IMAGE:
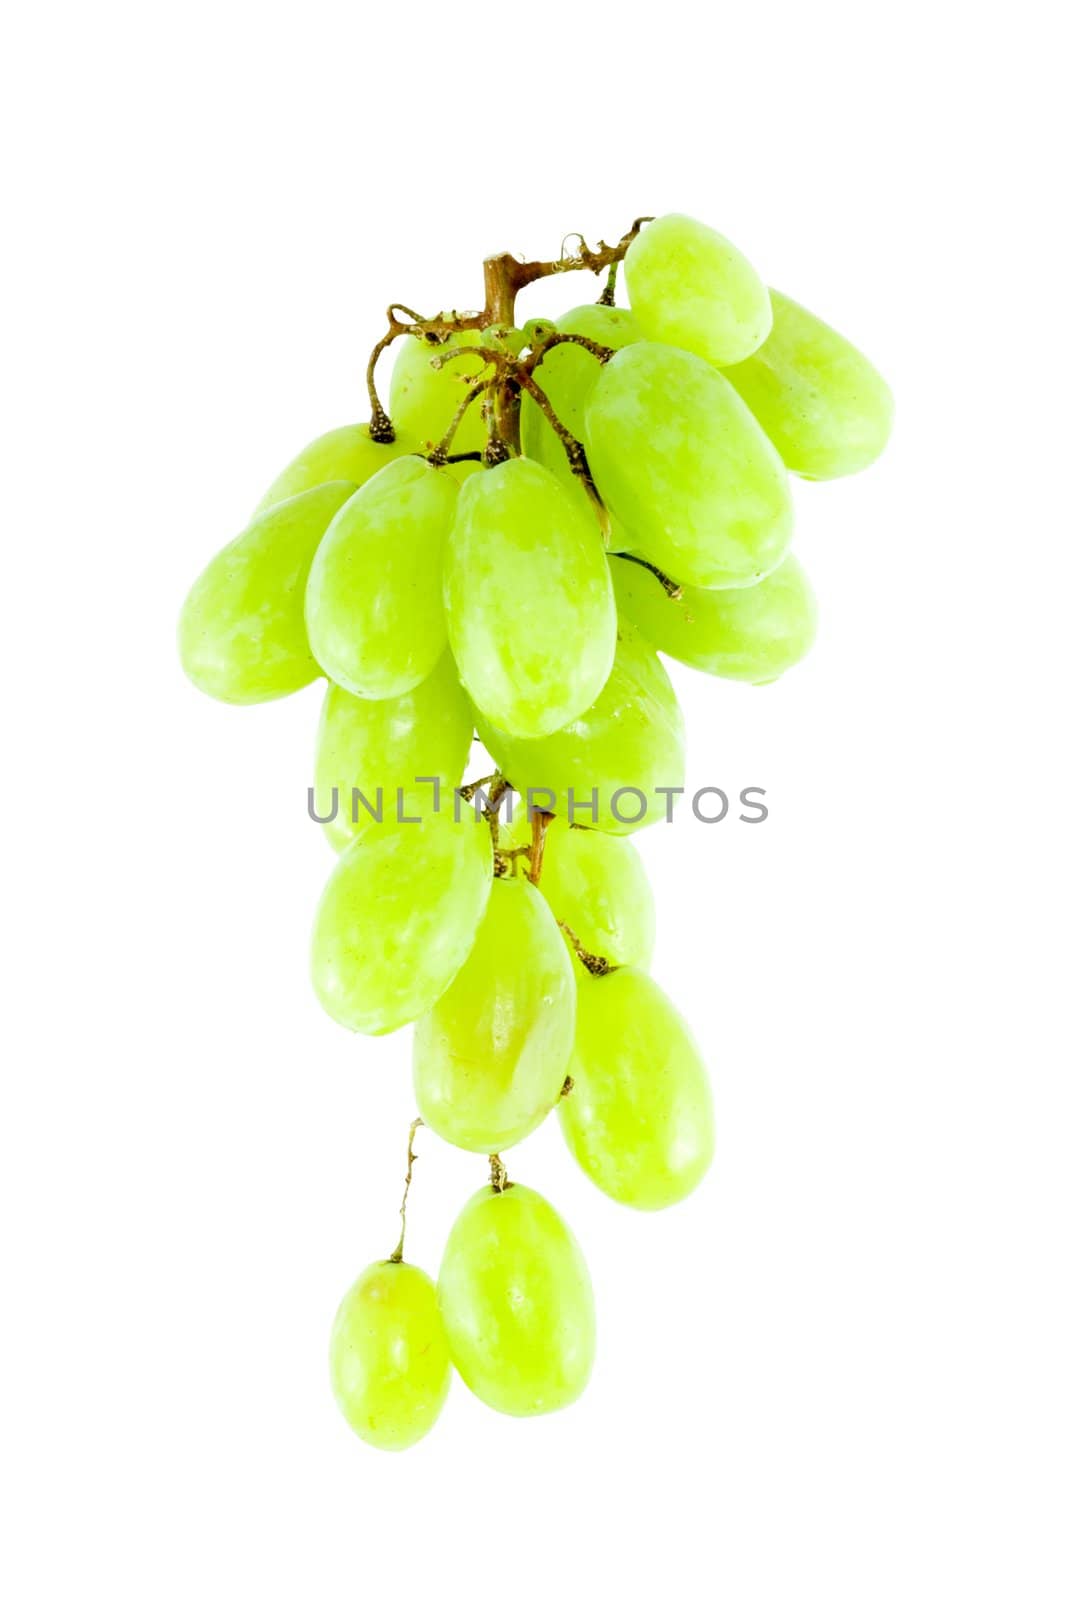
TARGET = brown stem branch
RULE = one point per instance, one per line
(398, 1253)
(539, 821)
(498, 1174)
(672, 588)
(599, 966)
(439, 454)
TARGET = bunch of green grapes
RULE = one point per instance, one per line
(549, 510)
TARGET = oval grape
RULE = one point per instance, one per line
(398, 916)
(375, 615)
(531, 612)
(690, 287)
(681, 461)
(241, 634)
(566, 374)
(381, 746)
(639, 1118)
(753, 634)
(389, 1363)
(605, 768)
(491, 1057)
(348, 454)
(424, 399)
(825, 408)
(597, 884)
(517, 1303)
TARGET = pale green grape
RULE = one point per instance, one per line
(639, 1117)
(821, 403)
(752, 634)
(690, 287)
(389, 1363)
(375, 616)
(631, 738)
(423, 399)
(531, 614)
(684, 465)
(399, 913)
(348, 454)
(566, 375)
(241, 634)
(517, 1303)
(491, 1057)
(373, 745)
(598, 886)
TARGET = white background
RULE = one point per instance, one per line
(839, 1369)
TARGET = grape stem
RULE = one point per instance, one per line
(599, 966)
(607, 294)
(498, 1174)
(539, 821)
(504, 277)
(439, 455)
(398, 1253)
(672, 588)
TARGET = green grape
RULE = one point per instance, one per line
(690, 287)
(513, 827)
(684, 465)
(517, 1303)
(639, 1118)
(535, 328)
(752, 634)
(348, 454)
(385, 745)
(491, 1057)
(375, 616)
(423, 399)
(631, 738)
(389, 1363)
(241, 634)
(531, 615)
(598, 886)
(566, 375)
(514, 339)
(821, 403)
(399, 914)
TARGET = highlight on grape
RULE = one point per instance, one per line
(505, 554)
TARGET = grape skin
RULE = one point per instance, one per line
(596, 883)
(681, 461)
(375, 614)
(822, 404)
(491, 1057)
(524, 570)
(423, 398)
(639, 1118)
(517, 1303)
(348, 454)
(631, 737)
(399, 914)
(241, 634)
(690, 287)
(387, 744)
(752, 635)
(566, 374)
(389, 1364)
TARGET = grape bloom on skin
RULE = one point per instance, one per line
(499, 562)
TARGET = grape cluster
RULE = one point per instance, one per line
(541, 514)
